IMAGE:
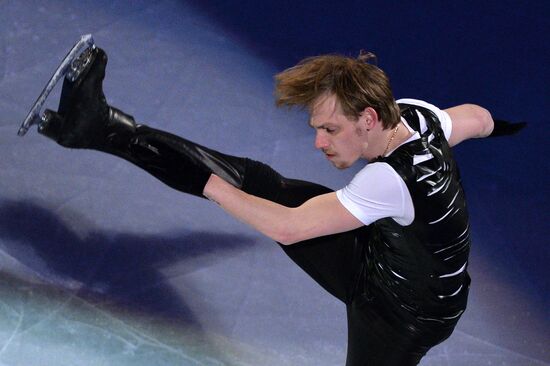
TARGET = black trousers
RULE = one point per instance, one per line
(380, 332)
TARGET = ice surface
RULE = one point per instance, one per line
(100, 264)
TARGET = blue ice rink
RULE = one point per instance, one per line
(101, 264)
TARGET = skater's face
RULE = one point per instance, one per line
(342, 139)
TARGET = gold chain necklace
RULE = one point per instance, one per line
(391, 139)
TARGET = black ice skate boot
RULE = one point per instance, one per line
(85, 120)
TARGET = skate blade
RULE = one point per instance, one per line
(76, 61)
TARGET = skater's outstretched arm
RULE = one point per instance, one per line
(469, 121)
(321, 215)
(472, 121)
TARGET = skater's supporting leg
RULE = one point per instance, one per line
(336, 262)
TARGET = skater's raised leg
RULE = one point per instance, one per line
(85, 120)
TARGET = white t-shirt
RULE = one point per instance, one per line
(377, 191)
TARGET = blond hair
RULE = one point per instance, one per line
(356, 84)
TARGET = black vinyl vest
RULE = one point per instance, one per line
(423, 265)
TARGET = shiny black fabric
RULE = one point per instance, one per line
(380, 331)
(506, 128)
(334, 261)
(389, 276)
(424, 265)
(405, 287)
(387, 323)
(180, 163)
(416, 285)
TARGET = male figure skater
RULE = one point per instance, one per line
(392, 245)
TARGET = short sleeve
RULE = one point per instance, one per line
(376, 192)
(444, 118)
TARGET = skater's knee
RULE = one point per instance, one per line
(261, 180)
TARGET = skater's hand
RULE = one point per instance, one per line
(505, 128)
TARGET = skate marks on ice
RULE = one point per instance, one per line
(105, 295)
(464, 349)
(45, 326)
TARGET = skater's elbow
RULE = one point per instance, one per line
(285, 236)
(484, 121)
(488, 123)
(289, 232)
(295, 231)
(469, 121)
